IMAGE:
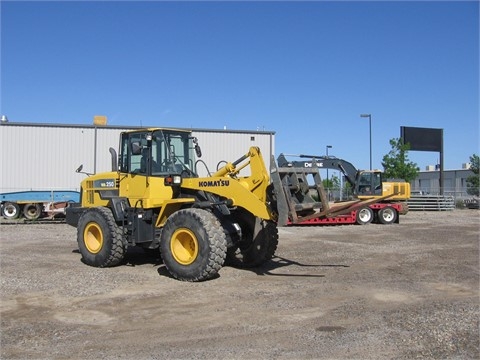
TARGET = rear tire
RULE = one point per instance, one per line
(387, 215)
(193, 245)
(10, 210)
(32, 211)
(100, 239)
(257, 249)
(364, 216)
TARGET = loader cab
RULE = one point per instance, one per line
(369, 183)
(157, 152)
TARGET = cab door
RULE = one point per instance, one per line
(133, 167)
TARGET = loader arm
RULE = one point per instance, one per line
(248, 192)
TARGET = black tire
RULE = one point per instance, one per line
(100, 239)
(255, 250)
(10, 210)
(364, 216)
(193, 245)
(32, 211)
(387, 215)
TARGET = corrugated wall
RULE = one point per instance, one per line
(45, 156)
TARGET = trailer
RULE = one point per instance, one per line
(382, 214)
(34, 204)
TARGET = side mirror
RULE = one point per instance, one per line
(79, 170)
(198, 151)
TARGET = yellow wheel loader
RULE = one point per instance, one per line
(154, 199)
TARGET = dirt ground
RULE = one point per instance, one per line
(402, 291)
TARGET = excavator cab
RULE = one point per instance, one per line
(369, 183)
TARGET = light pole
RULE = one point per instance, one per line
(370, 127)
(328, 185)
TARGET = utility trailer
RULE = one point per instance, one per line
(34, 204)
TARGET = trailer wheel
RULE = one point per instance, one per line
(364, 216)
(10, 210)
(255, 250)
(193, 245)
(100, 239)
(387, 215)
(32, 211)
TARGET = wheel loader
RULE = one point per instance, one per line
(154, 199)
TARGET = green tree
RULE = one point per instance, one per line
(333, 183)
(473, 182)
(396, 164)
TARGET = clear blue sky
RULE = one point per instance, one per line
(305, 70)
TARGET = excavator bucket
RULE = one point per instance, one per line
(299, 195)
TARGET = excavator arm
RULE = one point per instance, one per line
(322, 162)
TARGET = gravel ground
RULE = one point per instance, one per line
(403, 291)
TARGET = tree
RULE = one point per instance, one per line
(396, 164)
(473, 182)
(333, 183)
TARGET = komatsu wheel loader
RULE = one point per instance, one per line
(154, 199)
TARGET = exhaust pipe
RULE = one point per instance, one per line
(113, 153)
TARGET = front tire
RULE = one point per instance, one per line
(258, 246)
(193, 245)
(100, 239)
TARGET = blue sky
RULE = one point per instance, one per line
(305, 70)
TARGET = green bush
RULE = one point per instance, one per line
(460, 204)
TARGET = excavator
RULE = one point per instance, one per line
(153, 199)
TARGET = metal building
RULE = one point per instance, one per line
(45, 156)
(455, 182)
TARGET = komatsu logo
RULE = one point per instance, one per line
(212, 183)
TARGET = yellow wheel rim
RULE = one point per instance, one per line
(93, 238)
(184, 246)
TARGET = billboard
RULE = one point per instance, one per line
(422, 139)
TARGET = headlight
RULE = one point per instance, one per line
(173, 180)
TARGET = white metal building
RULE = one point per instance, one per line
(45, 156)
(455, 182)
